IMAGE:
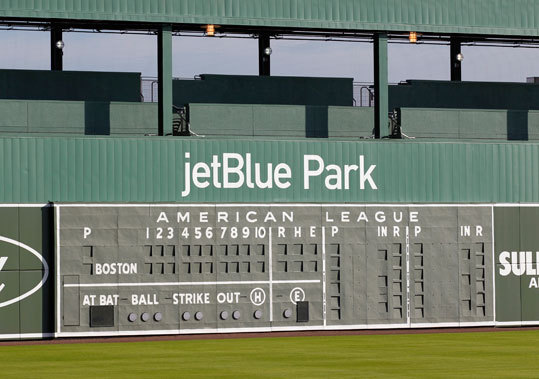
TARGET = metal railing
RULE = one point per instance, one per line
(363, 94)
(149, 92)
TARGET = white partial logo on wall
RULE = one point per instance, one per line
(521, 263)
(3, 260)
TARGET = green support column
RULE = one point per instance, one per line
(164, 68)
(381, 91)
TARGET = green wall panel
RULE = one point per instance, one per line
(37, 311)
(233, 120)
(271, 120)
(517, 291)
(275, 90)
(9, 225)
(75, 169)
(507, 233)
(56, 117)
(470, 124)
(9, 315)
(14, 115)
(529, 228)
(350, 122)
(77, 117)
(133, 118)
(35, 225)
(529, 242)
(508, 298)
(221, 119)
(509, 17)
(465, 95)
(69, 85)
(530, 300)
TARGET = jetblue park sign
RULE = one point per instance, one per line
(236, 171)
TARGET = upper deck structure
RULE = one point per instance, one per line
(379, 21)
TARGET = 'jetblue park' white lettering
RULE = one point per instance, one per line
(307, 159)
(365, 176)
(314, 166)
(229, 170)
(234, 171)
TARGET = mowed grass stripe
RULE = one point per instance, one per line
(503, 354)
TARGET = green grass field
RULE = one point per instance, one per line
(504, 354)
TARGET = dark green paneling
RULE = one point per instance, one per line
(35, 226)
(517, 297)
(508, 298)
(77, 117)
(506, 232)
(470, 124)
(9, 227)
(152, 170)
(235, 89)
(530, 300)
(9, 315)
(529, 230)
(466, 95)
(30, 226)
(511, 17)
(36, 311)
(529, 241)
(280, 121)
(69, 85)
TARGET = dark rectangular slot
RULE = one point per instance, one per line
(302, 311)
(101, 316)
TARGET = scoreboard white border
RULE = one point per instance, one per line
(59, 333)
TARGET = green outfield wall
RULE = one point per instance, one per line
(517, 266)
(105, 269)
(134, 236)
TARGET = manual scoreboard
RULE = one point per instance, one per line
(135, 269)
